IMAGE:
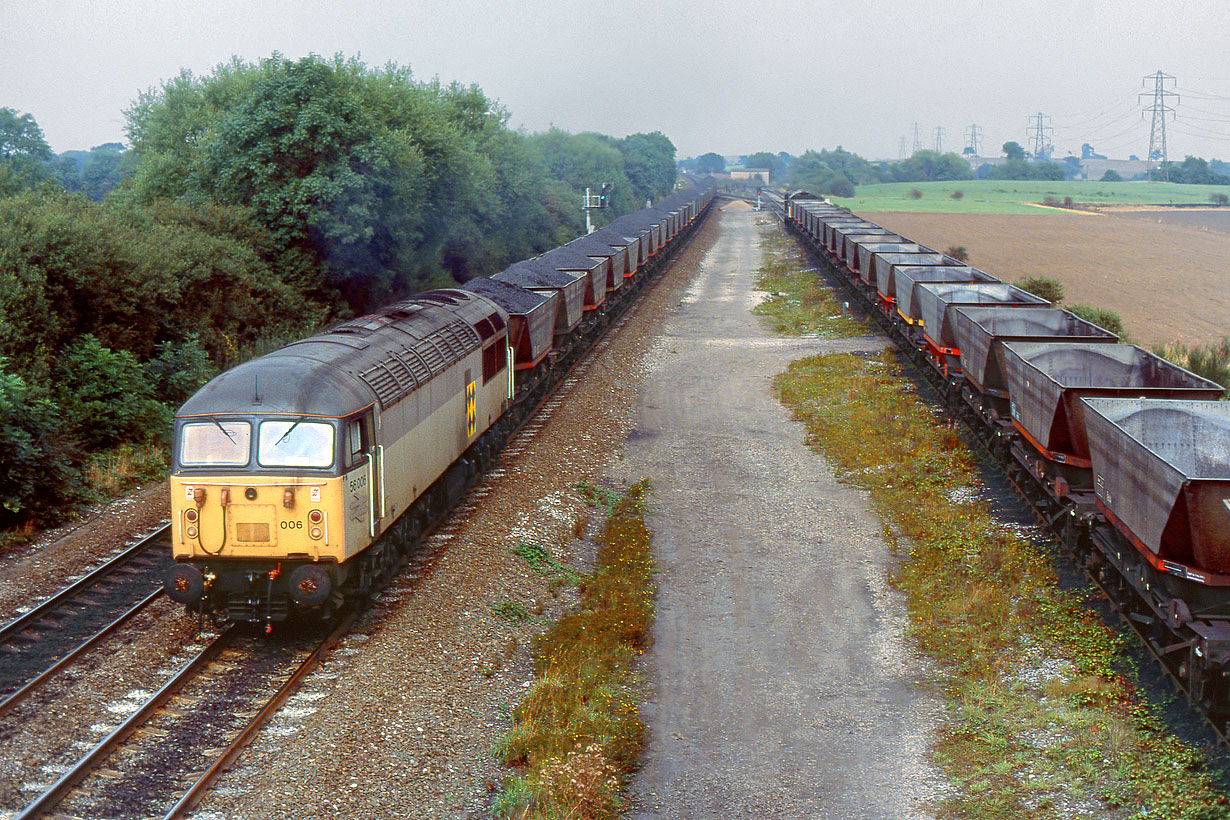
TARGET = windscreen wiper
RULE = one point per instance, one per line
(289, 431)
(225, 432)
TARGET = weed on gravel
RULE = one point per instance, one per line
(795, 302)
(1042, 720)
(577, 735)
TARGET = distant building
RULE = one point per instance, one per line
(1092, 169)
(746, 174)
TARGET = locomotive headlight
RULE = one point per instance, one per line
(250, 493)
(190, 532)
(190, 515)
(316, 516)
(316, 533)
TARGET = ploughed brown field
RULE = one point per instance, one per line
(1167, 273)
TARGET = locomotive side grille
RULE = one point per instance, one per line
(416, 365)
(405, 379)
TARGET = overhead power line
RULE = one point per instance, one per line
(973, 140)
(1039, 128)
(1159, 109)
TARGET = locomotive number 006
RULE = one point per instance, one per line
(292, 525)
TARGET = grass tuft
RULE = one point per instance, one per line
(796, 303)
(577, 735)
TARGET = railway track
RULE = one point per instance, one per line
(43, 642)
(162, 757)
(1054, 521)
(160, 760)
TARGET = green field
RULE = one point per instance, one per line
(1009, 196)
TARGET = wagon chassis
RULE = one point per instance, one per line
(1194, 654)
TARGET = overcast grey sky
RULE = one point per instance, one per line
(725, 76)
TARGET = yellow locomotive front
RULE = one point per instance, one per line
(260, 508)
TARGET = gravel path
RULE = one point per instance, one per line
(784, 686)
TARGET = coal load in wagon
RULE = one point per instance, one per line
(615, 259)
(567, 260)
(1162, 470)
(570, 287)
(531, 318)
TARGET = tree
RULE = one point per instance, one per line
(20, 136)
(105, 397)
(1047, 170)
(649, 164)
(23, 153)
(1111, 175)
(768, 160)
(1045, 287)
(1013, 150)
(360, 175)
(710, 163)
(36, 477)
(1219, 199)
(928, 166)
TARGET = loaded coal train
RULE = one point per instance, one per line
(1124, 454)
(302, 479)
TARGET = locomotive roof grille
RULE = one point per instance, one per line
(400, 372)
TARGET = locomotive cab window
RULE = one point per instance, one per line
(294, 443)
(215, 444)
(355, 442)
(495, 358)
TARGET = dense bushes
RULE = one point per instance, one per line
(1101, 317)
(256, 205)
(1046, 287)
(36, 477)
(106, 397)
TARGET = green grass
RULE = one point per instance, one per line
(1042, 719)
(577, 735)
(1005, 196)
(796, 303)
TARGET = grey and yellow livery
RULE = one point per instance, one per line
(290, 467)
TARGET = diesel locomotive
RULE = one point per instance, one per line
(301, 479)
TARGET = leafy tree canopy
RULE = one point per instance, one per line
(23, 153)
(928, 166)
(649, 164)
(21, 136)
(1013, 150)
(710, 163)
